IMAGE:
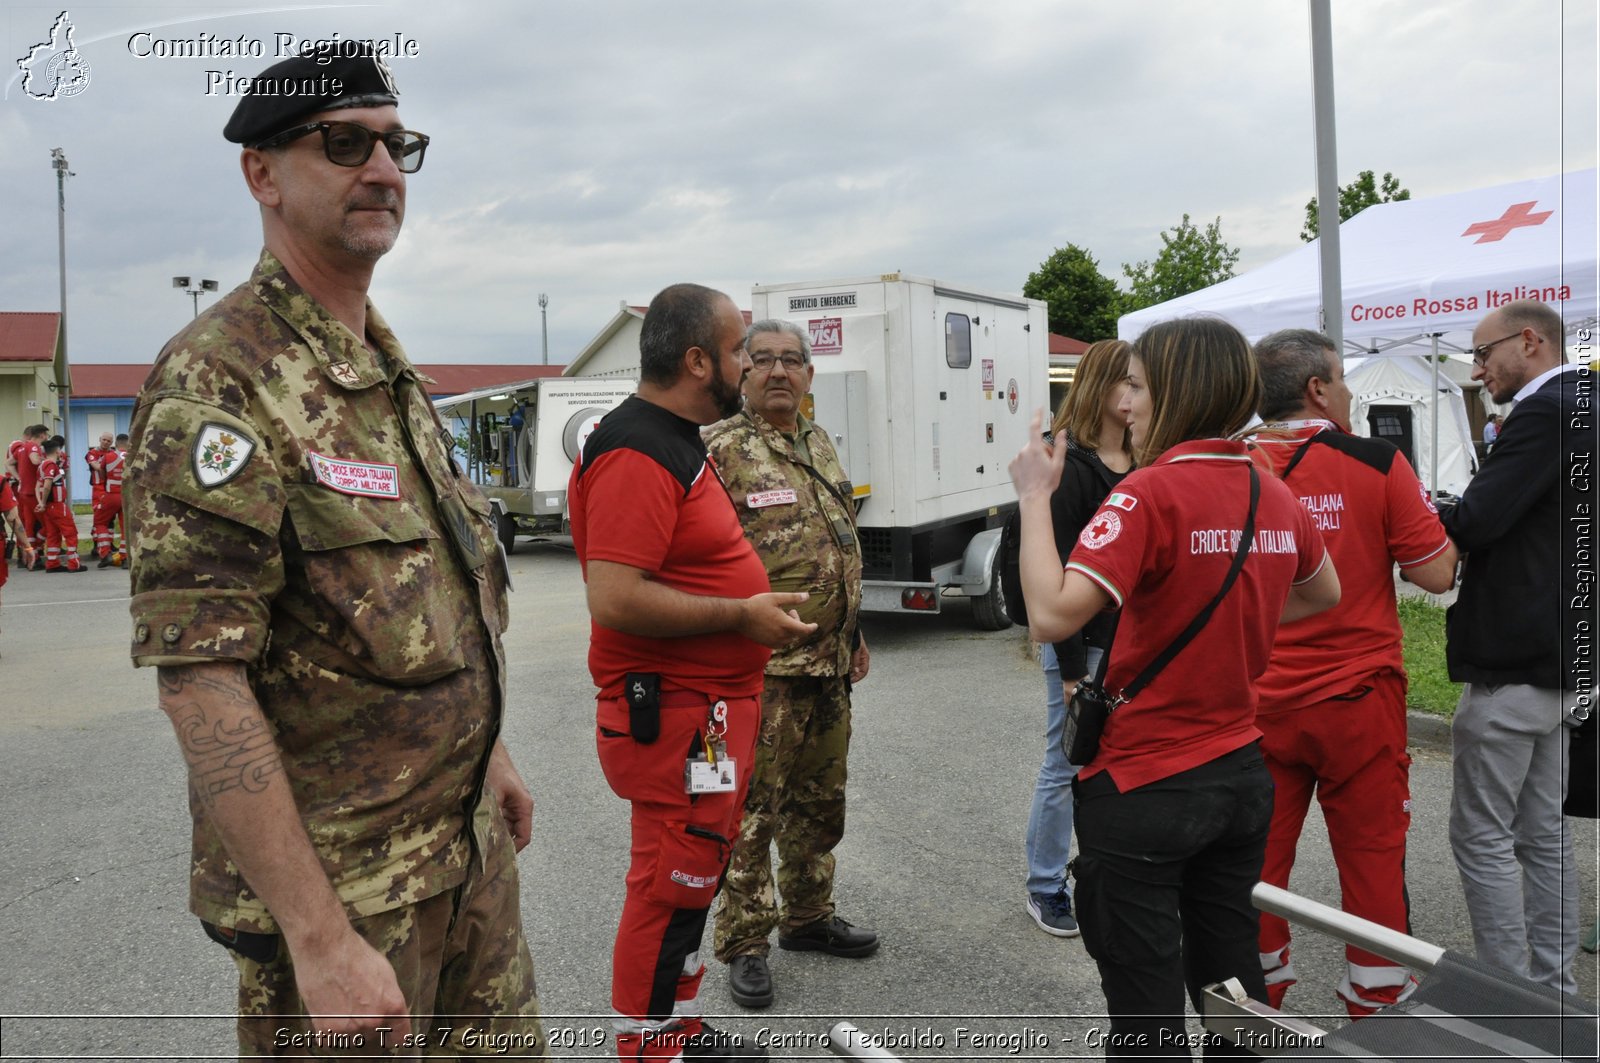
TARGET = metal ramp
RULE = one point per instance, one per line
(1462, 1010)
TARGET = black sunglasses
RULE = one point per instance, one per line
(350, 144)
(1480, 353)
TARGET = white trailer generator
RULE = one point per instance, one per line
(521, 441)
(927, 390)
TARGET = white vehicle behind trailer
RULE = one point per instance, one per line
(927, 390)
(521, 441)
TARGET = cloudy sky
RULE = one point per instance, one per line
(596, 150)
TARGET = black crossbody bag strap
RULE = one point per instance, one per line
(1176, 646)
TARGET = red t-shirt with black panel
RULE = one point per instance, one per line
(1373, 513)
(1161, 545)
(645, 494)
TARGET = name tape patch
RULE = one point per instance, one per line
(762, 499)
(369, 479)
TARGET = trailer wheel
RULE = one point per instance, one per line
(506, 528)
(990, 610)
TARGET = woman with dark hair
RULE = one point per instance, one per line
(1172, 811)
(1091, 427)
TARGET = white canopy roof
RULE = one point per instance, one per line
(1423, 266)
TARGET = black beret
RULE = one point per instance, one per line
(323, 79)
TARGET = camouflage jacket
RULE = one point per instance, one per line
(293, 505)
(798, 518)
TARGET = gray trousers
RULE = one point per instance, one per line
(1509, 837)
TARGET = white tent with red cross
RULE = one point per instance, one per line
(1420, 267)
(1418, 276)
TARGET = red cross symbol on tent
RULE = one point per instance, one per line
(1516, 216)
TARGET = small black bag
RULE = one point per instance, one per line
(1087, 712)
(1091, 706)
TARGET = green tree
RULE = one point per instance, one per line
(1084, 303)
(1365, 191)
(1189, 259)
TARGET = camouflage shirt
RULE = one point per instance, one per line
(293, 505)
(797, 515)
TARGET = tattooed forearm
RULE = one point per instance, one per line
(225, 755)
(225, 740)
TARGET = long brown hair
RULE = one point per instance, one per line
(1203, 382)
(1103, 368)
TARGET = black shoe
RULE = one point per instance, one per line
(105, 562)
(716, 1045)
(750, 981)
(833, 936)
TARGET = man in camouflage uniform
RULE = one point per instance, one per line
(321, 594)
(795, 504)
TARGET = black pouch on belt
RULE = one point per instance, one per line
(644, 705)
(262, 948)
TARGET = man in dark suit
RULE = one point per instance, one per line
(1520, 638)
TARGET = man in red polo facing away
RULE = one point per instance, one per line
(1332, 713)
(682, 626)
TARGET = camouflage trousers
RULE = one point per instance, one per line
(465, 971)
(796, 796)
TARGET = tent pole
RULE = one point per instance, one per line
(1327, 174)
(1433, 484)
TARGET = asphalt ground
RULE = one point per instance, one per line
(100, 959)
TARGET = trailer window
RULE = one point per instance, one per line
(957, 341)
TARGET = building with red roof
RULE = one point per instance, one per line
(33, 371)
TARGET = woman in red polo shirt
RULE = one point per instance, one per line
(1172, 813)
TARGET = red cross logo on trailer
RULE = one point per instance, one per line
(1516, 216)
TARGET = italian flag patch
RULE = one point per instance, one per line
(1121, 501)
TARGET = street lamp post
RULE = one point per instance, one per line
(544, 329)
(58, 162)
(194, 289)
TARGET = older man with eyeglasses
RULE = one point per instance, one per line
(797, 508)
(322, 596)
(1516, 638)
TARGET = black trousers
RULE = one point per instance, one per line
(1164, 874)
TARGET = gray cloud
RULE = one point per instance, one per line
(599, 150)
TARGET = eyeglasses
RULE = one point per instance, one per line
(763, 363)
(349, 144)
(1480, 353)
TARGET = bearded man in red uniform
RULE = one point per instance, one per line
(108, 506)
(95, 458)
(682, 624)
(1332, 709)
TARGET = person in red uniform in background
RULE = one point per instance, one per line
(682, 624)
(95, 458)
(1332, 712)
(60, 530)
(24, 459)
(108, 506)
(11, 528)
